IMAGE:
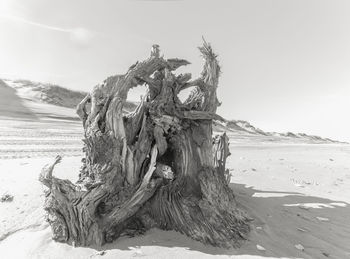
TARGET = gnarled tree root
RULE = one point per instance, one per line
(156, 167)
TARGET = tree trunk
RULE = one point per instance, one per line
(155, 167)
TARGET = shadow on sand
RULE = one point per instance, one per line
(276, 227)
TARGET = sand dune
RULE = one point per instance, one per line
(12, 105)
(36, 129)
(55, 102)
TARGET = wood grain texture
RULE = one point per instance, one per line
(156, 167)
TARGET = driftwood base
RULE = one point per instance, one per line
(157, 167)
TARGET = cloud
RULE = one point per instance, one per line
(80, 35)
(41, 25)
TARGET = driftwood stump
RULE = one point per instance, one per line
(156, 167)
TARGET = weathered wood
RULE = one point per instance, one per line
(221, 151)
(155, 167)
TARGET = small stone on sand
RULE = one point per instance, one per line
(6, 198)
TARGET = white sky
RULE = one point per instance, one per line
(285, 63)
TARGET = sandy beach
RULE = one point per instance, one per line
(297, 196)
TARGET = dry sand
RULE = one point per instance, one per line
(297, 195)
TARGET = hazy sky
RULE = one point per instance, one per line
(285, 64)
